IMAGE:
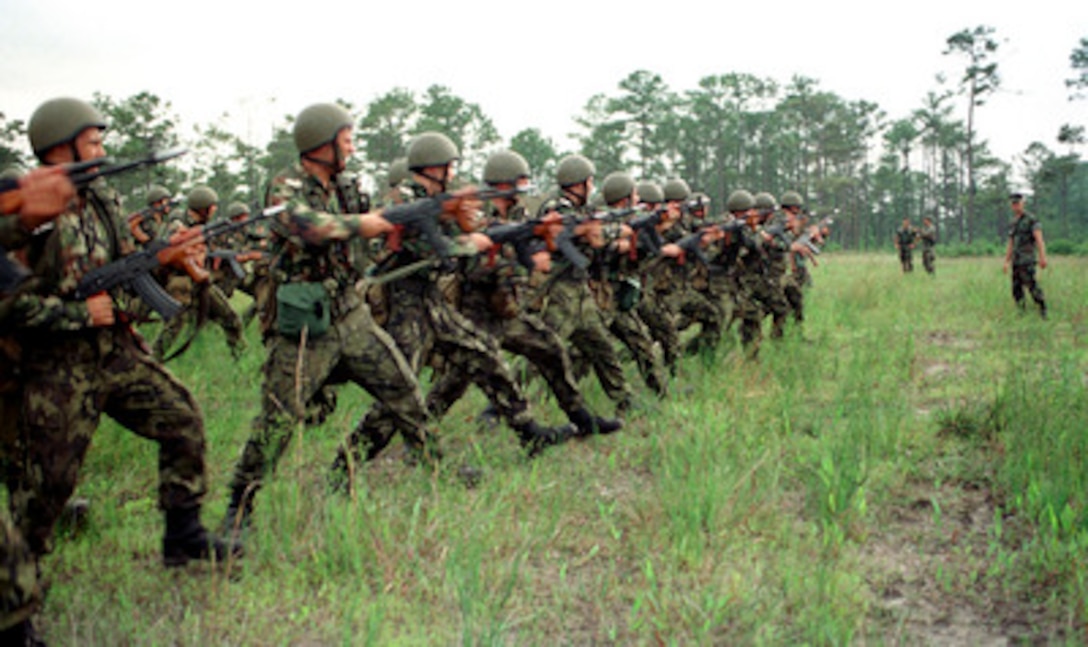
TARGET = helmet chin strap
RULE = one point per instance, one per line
(441, 181)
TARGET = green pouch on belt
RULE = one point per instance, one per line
(302, 305)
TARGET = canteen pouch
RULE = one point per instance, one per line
(303, 305)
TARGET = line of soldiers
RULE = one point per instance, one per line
(908, 236)
(438, 278)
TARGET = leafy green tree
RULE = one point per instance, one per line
(642, 109)
(540, 152)
(980, 78)
(463, 122)
(13, 143)
(139, 125)
(383, 131)
(603, 139)
(1079, 62)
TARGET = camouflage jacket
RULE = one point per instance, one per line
(90, 234)
(1022, 234)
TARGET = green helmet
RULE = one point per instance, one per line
(318, 125)
(58, 121)
(505, 167)
(398, 171)
(792, 199)
(765, 201)
(573, 169)
(739, 200)
(431, 149)
(201, 197)
(676, 189)
(236, 209)
(157, 192)
(617, 186)
(650, 192)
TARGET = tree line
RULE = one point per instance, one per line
(734, 130)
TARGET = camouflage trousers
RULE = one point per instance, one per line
(568, 308)
(906, 259)
(523, 334)
(793, 290)
(712, 308)
(354, 349)
(426, 326)
(629, 328)
(20, 592)
(659, 312)
(757, 296)
(204, 297)
(929, 260)
(1023, 278)
(71, 379)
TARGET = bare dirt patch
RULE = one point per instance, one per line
(927, 567)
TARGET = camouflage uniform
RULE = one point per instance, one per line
(489, 294)
(1022, 236)
(20, 592)
(710, 299)
(426, 327)
(202, 301)
(928, 234)
(568, 307)
(624, 273)
(72, 373)
(776, 254)
(904, 242)
(354, 348)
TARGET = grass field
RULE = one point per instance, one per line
(910, 470)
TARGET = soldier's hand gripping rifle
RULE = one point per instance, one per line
(554, 230)
(132, 273)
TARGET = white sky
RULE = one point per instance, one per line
(527, 64)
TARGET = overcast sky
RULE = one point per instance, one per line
(527, 64)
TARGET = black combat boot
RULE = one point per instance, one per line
(535, 438)
(587, 424)
(186, 538)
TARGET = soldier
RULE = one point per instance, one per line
(619, 266)
(743, 257)
(150, 223)
(801, 251)
(775, 243)
(489, 296)
(42, 194)
(318, 329)
(80, 359)
(421, 318)
(202, 300)
(1025, 240)
(928, 234)
(905, 238)
(709, 298)
(563, 297)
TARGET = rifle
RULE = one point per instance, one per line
(147, 212)
(231, 258)
(132, 273)
(83, 173)
(422, 215)
(519, 234)
(692, 245)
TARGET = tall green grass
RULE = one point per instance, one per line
(741, 510)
